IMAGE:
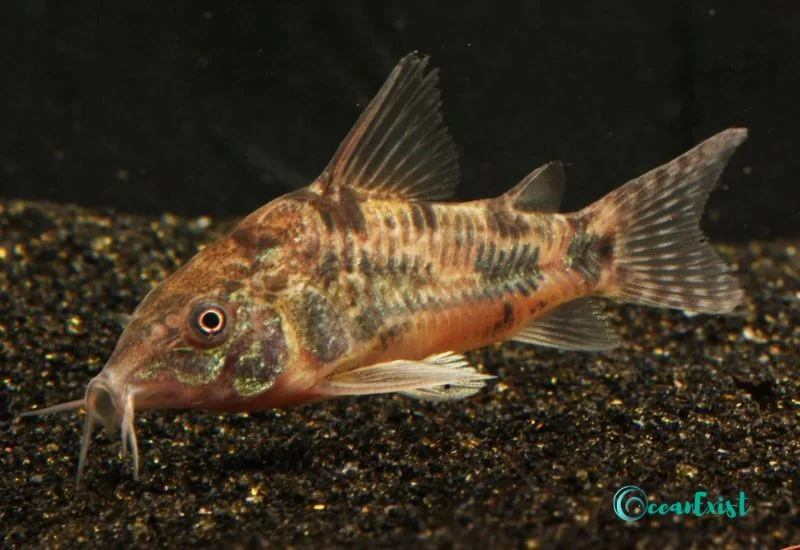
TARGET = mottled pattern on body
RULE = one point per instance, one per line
(366, 282)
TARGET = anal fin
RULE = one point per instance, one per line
(440, 377)
(578, 325)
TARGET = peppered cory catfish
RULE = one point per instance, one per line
(359, 284)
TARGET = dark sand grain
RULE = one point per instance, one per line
(686, 404)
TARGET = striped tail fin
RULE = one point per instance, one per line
(658, 255)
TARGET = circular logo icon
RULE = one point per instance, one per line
(630, 503)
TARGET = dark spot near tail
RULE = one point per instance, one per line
(389, 221)
(508, 314)
(577, 225)
(539, 306)
(507, 320)
(583, 255)
(605, 249)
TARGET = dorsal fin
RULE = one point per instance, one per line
(539, 191)
(399, 147)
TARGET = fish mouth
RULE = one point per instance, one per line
(112, 409)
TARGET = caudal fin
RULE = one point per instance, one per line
(660, 256)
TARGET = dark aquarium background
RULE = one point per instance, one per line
(115, 113)
(216, 107)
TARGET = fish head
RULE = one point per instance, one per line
(199, 340)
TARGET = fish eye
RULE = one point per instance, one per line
(209, 323)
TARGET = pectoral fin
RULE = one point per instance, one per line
(438, 377)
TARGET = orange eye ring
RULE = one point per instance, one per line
(209, 323)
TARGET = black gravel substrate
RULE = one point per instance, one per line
(687, 404)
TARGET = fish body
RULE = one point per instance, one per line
(365, 282)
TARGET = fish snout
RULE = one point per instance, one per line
(102, 405)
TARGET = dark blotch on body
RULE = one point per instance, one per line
(507, 263)
(329, 268)
(417, 218)
(365, 264)
(369, 323)
(323, 206)
(350, 211)
(506, 224)
(507, 321)
(348, 253)
(429, 215)
(605, 250)
(584, 255)
(232, 286)
(254, 239)
(322, 326)
(258, 371)
(273, 282)
(274, 350)
(390, 335)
